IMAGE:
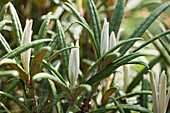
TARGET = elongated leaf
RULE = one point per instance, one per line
(81, 87)
(10, 87)
(62, 42)
(77, 14)
(162, 52)
(60, 51)
(139, 76)
(15, 66)
(3, 11)
(117, 17)
(124, 106)
(16, 23)
(165, 46)
(4, 44)
(54, 43)
(160, 49)
(92, 39)
(108, 93)
(6, 109)
(109, 58)
(95, 21)
(51, 68)
(23, 48)
(38, 59)
(134, 94)
(9, 73)
(43, 29)
(105, 72)
(73, 109)
(3, 23)
(151, 40)
(139, 63)
(144, 97)
(119, 107)
(24, 108)
(50, 58)
(56, 80)
(108, 52)
(142, 28)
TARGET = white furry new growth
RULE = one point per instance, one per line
(104, 44)
(74, 65)
(26, 38)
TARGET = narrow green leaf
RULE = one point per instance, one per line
(144, 97)
(119, 107)
(109, 58)
(16, 23)
(59, 51)
(81, 87)
(77, 14)
(117, 17)
(108, 52)
(23, 48)
(92, 39)
(51, 68)
(23, 107)
(10, 87)
(151, 40)
(139, 63)
(4, 44)
(43, 30)
(73, 109)
(7, 48)
(165, 46)
(134, 94)
(62, 41)
(3, 11)
(6, 109)
(139, 76)
(160, 49)
(143, 26)
(54, 43)
(105, 72)
(15, 66)
(9, 73)
(53, 88)
(95, 21)
(55, 79)
(124, 106)
(3, 23)
(51, 57)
